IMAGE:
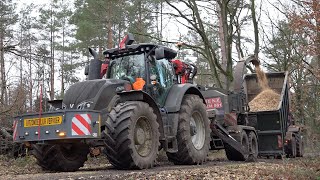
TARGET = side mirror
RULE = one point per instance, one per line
(86, 70)
(159, 53)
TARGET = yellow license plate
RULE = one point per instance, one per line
(45, 121)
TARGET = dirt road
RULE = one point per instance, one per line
(216, 167)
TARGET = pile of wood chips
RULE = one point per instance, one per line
(267, 99)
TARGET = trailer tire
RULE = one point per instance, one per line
(61, 157)
(253, 146)
(300, 148)
(192, 149)
(292, 153)
(131, 136)
(234, 155)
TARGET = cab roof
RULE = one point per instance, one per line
(138, 48)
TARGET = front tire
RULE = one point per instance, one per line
(132, 136)
(60, 157)
(193, 132)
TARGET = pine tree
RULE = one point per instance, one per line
(8, 18)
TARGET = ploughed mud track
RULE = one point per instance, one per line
(217, 167)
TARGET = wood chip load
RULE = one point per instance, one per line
(267, 99)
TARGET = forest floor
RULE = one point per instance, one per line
(217, 167)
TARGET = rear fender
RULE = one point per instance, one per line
(176, 94)
(142, 96)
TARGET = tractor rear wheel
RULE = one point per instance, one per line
(132, 136)
(234, 155)
(60, 157)
(193, 135)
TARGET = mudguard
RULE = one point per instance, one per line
(98, 93)
(176, 93)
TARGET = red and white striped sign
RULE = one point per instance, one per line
(81, 125)
(15, 132)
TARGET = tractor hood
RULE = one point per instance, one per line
(92, 94)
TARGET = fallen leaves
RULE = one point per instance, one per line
(217, 167)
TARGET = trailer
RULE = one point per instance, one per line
(243, 133)
(277, 132)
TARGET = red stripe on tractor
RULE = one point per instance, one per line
(84, 122)
(76, 129)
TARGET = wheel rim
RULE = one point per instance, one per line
(197, 130)
(143, 137)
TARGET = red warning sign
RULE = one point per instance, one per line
(214, 103)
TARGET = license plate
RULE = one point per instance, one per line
(45, 121)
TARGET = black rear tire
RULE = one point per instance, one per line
(60, 157)
(132, 136)
(234, 155)
(292, 148)
(193, 135)
(300, 148)
(253, 146)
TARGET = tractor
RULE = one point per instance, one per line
(141, 106)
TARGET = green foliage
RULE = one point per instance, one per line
(8, 17)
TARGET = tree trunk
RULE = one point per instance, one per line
(224, 42)
(30, 73)
(62, 61)
(140, 28)
(256, 30)
(52, 69)
(3, 83)
(222, 15)
(109, 28)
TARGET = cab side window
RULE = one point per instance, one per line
(165, 73)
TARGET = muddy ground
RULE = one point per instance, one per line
(217, 167)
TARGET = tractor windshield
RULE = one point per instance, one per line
(127, 67)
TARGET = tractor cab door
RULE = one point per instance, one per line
(161, 76)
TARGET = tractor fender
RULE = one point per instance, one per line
(176, 94)
(142, 96)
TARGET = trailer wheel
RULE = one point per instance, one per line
(253, 146)
(234, 155)
(132, 136)
(61, 157)
(292, 148)
(193, 135)
(300, 147)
